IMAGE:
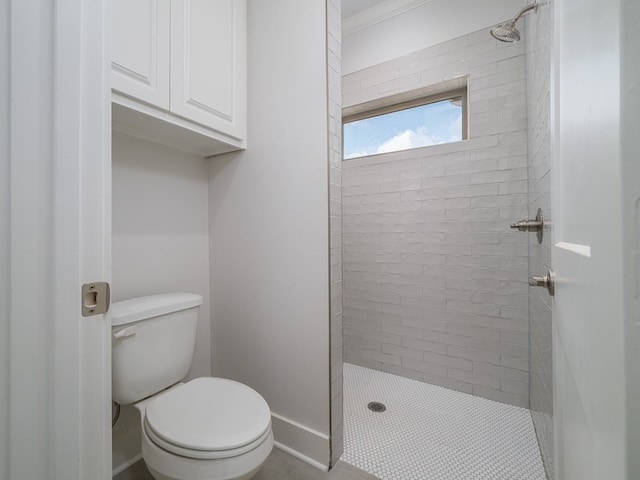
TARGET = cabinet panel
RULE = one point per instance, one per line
(140, 50)
(208, 63)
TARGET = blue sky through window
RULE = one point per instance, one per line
(430, 124)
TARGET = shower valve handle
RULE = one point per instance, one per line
(547, 281)
(527, 225)
(536, 225)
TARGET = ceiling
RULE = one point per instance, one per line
(353, 7)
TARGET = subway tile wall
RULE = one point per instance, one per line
(435, 282)
(334, 74)
(538, 59)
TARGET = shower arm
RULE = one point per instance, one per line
(525, 10)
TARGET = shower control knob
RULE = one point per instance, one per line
(536, 225)
(547, 281)
(527, 225)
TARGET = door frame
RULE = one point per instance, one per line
(56, 230)
(630, 152)
(597, 382)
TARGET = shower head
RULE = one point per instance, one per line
(507, 32)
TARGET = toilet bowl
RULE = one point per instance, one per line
(208, 428)
(178, 441)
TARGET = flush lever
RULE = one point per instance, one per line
(536, 225)
(547, 281)
(125, 332)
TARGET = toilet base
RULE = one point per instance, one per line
(159, 476)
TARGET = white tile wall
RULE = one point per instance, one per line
(434, 280)
(539, 27)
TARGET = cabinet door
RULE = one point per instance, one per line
(208, 63)
(140, 50)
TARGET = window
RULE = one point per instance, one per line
(411, 124)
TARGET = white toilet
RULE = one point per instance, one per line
(205, 429)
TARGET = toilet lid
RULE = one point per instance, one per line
(209, 414)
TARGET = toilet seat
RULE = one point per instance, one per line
(208, 418)
(205, 454)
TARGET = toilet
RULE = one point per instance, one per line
(207, 428)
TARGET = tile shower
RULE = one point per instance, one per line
(435, 283)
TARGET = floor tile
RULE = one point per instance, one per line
(279, 466)
(433, 433)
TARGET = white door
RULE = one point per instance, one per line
(140, 50)
(589, 253)
(55, 136)
(208, 63)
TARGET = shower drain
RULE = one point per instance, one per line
(376, 407)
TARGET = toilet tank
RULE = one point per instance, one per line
(152, 343)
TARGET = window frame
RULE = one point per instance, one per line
(448, 90)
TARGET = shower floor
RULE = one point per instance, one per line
(433, 433)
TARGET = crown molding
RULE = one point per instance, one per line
(378, 13)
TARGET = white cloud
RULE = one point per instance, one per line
(419, 137)
(455, 129)
(363, 153)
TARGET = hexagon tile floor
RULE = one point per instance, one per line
(433, 433)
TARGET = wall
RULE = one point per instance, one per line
(435, 282)
(160, 244)
(630, 91)
(334, 78)
(269, 229)
(538, 45)
(5, 228)
(431, 23)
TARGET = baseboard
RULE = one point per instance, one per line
(298, 440)
(122, 467)
(302, 442)
(126, 444)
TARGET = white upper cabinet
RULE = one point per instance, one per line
(178, 72)
(207, 69)
(140, 50)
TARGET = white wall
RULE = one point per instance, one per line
(630, 90)
(269, 228)
(160, 242)
(431, 23)
(5, 219)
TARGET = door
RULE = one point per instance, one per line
(208, 63)
(55, 393)
(140, 50)
(590, 254)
